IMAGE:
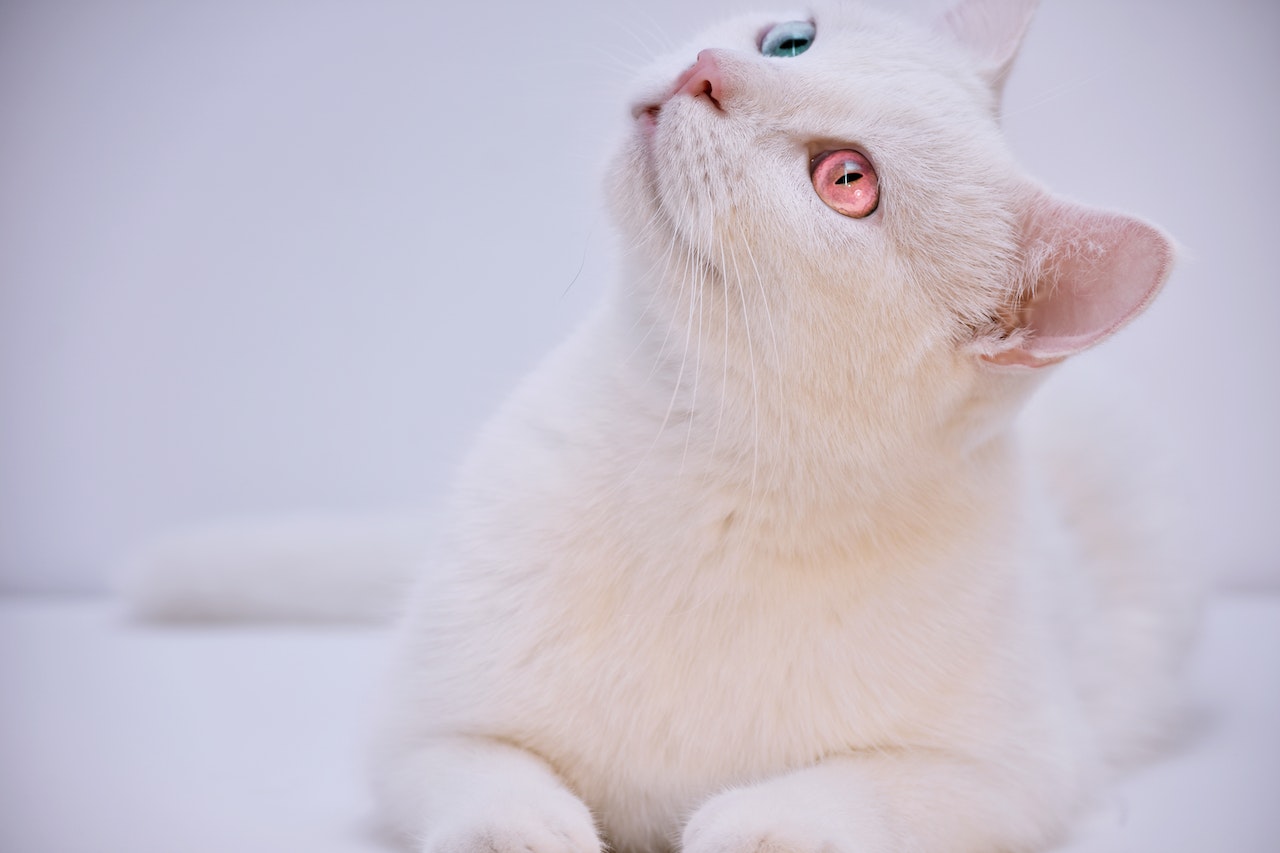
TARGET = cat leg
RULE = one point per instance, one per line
(894, 802)
(475, 795)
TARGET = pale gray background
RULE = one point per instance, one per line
(257, 256)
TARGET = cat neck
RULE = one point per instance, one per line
(807, 444)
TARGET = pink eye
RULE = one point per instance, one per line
(846, 182)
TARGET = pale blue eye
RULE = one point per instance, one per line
(790, 39)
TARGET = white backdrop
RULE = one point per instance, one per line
(261, 255)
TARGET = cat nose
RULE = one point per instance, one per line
(703, 79)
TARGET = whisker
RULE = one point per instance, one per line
(773, 338)
(686, 282)
(586, 246)
(666, 268)
(646, 311)
(692, 279)
(724, 379)
(764, 298)
(699, 294)
(637, 245)
(663, 40)
(625, 61)
(1052, 94)
(755, 386)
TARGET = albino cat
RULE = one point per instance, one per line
(755, 561)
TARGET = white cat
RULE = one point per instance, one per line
(755, 561)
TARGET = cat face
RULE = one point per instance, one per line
(722, 161)
(729, 193)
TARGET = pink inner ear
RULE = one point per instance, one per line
(1092, 272)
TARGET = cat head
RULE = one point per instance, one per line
(838, 180)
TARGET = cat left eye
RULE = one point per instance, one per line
(790, 39)
(846, 182)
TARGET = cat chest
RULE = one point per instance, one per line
(694, 692)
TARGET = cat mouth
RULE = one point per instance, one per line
(646, 116)
(703, 80)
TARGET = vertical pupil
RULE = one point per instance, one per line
(789, 39)
(851, 174)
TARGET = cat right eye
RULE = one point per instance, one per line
(846, 182)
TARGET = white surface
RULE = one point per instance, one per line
(120, 738)
(261, 255)
(117, 737)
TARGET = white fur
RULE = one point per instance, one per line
(755, 560)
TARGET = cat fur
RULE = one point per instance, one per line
(756, 560)
(760, 558)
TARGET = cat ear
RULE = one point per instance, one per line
(992, 31)
(1087, 273)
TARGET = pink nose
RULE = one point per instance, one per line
(704, 78)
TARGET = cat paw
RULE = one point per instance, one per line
(752, 821)
(562, 825)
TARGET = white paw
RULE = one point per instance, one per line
(559, 824)
(758, 820)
